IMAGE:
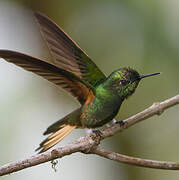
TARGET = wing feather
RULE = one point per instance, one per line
(66, 53)
(58, 76)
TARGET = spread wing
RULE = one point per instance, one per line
(66, 53)
(58, 76)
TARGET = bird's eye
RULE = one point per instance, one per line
(123, 82)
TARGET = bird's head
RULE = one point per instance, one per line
(124, 81)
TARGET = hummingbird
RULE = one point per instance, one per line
(99, 96)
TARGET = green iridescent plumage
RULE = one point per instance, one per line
(70, 68)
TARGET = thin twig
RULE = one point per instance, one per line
(89, 144)
(135, 161)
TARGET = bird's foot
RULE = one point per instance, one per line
(121, 123)
(97, 132)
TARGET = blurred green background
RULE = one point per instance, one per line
(116, 33)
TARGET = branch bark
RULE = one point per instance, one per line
(89, 144)
(136, 161)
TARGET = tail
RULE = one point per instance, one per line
(59, 130)
(55, 138)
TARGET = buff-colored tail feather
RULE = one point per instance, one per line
(56, 137)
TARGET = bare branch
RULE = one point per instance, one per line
(89, 144)
(135, 161)
(82, 145)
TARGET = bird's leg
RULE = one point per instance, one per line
(113, 122)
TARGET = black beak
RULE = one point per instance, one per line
(148, 75)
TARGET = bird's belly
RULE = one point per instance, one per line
(98, 114)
